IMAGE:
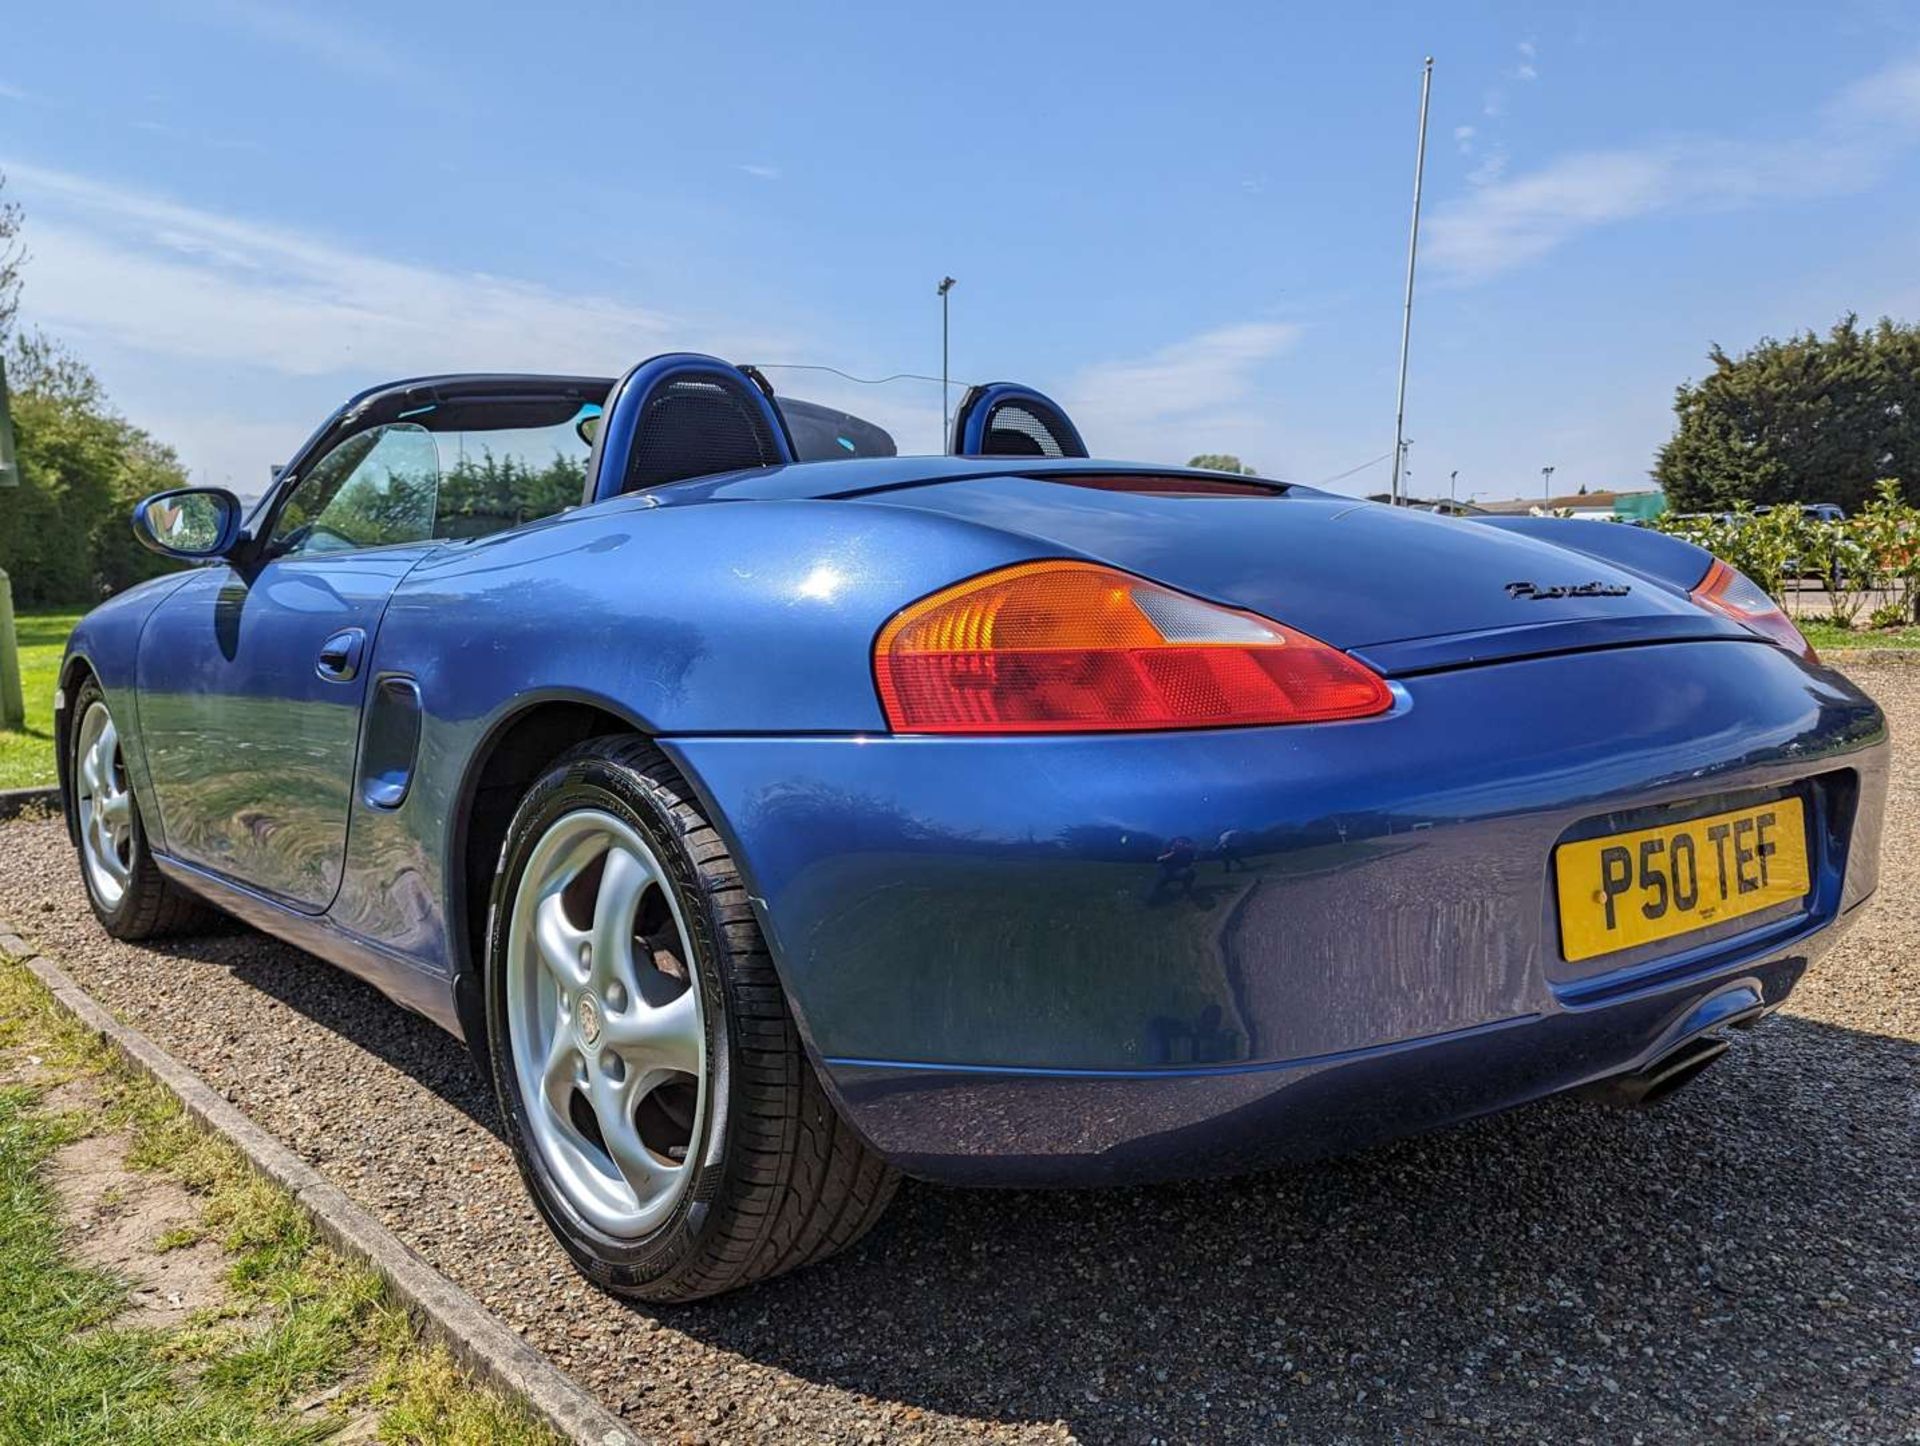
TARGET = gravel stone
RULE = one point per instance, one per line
(1740, 1263)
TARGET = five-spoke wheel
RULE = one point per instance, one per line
(104, 804)
(651, 1078)
(129, 894)
(604, 1010)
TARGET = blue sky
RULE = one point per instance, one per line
(1187, 223)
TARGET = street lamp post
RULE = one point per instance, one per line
(946, 285)
(1453, 485)
(1546, 484)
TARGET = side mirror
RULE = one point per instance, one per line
(193, 523)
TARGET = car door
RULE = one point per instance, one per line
(252, 675)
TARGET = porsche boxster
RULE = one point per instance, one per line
(772, 813)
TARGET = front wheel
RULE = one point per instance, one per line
(130, 896)
(655, 1090)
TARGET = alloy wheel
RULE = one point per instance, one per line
(105, 807)
(605, 1022)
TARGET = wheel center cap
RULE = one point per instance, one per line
(586, 1018)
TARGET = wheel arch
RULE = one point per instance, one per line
(514, 752)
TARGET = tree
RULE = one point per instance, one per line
(1221, 462)
(64, 533)
(12, 256)
(1808, 419)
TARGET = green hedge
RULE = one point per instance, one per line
(64, 534)
(1876, 553)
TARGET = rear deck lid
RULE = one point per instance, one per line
(1406, 591)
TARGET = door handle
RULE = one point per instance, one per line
(340, 656)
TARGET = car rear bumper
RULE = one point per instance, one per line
(1081, 959)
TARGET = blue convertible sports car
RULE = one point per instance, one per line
(771, 813)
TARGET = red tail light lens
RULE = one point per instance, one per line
(1071, 647)
(1731, 592)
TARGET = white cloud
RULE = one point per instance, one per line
(1493, 165)
(1505, 222)
(1185, 398)
(760, 172)
(1890, 95)
(165, 290)
(1526, 69)
(172, 280)
(330, 41)
(11, 92)
(1463, 138)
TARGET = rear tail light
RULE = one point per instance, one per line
(1071, 647)
(1733, 594)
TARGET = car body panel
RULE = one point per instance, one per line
(1348, 573)
(250, 749)
(106, 643)
(1638, 549)
(633, 609)
(1006, 1128)
(1000, 902)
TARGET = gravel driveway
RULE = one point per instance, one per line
(1743, 1262)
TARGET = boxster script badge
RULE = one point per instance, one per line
(1540, 593)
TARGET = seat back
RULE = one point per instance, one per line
(683, 415)
(1004, 419)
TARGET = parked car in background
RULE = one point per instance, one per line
(769, 826)
(1812, 511)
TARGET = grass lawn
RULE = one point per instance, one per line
(300, 1344)
(1825, 636)
(26, 758)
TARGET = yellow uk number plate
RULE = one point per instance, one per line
(1627, 889)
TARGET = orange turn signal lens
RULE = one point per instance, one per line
(1073, 647)
(1731, 593)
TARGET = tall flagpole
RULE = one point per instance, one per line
(1406, 315)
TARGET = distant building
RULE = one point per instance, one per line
(1628, 506)
(1430, 504)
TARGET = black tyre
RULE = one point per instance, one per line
(654, 1088)
(130, 896)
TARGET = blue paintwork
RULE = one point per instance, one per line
(996, 974)
(249, 748)
(1637, 549)
(967, 904)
